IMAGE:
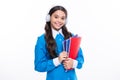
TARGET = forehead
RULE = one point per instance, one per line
(59, 13)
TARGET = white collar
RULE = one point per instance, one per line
(54, 32)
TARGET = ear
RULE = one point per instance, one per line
(48, 18)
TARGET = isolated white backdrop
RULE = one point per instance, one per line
(97, 21)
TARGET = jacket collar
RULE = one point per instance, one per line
(55, 32)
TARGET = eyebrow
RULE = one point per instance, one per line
(58, 15)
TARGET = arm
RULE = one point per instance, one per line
(80, 59)
(42, 62)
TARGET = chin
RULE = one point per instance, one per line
(57, 28)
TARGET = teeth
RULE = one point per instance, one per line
(58, 24)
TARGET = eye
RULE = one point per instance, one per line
(56, 17)
(63, 18)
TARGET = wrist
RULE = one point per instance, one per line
(75, 63)
(59, 59)
(56, 61)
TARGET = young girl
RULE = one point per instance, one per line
(49, 54)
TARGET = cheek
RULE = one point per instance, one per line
(52, 21)
(64, 22)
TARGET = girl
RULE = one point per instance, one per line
(49, 54)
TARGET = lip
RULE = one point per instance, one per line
(58, 24)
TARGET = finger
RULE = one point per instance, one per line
(67, 59)
(64, 58)
(64, 63)
(65, 67)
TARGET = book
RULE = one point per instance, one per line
(74, 47)
(71, 46)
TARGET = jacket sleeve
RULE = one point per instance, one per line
(42, 63)
(80, 59)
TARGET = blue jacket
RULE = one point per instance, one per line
(43, 63)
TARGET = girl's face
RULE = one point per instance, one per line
(57, 19)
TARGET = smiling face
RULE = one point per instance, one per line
(57, 19)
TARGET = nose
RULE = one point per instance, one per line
(59, 20)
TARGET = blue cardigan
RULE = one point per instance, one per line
(43, 63)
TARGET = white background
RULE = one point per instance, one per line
(97, 21)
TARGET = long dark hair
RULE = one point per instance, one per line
(51, 44)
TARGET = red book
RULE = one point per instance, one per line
(74, 47)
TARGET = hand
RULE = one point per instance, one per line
(62, 56)
(68, 63)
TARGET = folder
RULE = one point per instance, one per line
(71, 46)
(74, 47)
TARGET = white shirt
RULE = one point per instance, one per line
(54, 33)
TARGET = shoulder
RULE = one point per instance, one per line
(41, 38)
